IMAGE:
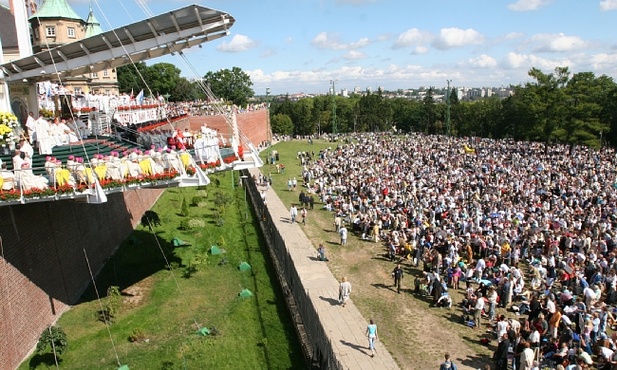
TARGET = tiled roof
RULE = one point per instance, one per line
(56, 9)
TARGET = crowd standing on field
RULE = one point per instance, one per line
(526, 230)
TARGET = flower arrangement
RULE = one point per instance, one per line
(64, 189)
(230, 159)
(8, 124)
(7, 196)
(205, 166)
(37, 192)
(190, 170)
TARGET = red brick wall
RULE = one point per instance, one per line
(43, 269)
(253, 124)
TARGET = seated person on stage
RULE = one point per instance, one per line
(8, 178)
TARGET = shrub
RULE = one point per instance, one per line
(111, 306)
(137, 335)
(196, 200)
(54, 339)
(185, 208)
(193, 223)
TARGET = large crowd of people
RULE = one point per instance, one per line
(525, 231)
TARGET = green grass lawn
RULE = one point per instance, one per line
(166, 308)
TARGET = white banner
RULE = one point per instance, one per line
(129, 117)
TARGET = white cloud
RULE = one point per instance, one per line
(606, 5)
(528, 61)
(354, 55)
(483, 61)
(411, 37)
(325, 40)
(513, 35)
(237, 44)
(527, 5)
(456, 37)
(419, 50)
(545, 42)
(604, 61)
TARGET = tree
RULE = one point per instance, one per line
(54, 339)
(582, 124)
(232, 85)
(129, 79)
(548, 104)
(162, 78)
(281, 124)
(185, 90)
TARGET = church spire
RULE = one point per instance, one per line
(93, 27)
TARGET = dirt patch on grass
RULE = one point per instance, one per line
(135, 294)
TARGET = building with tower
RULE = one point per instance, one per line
(55, 23)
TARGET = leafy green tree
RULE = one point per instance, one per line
(129, 79)
(232, 85)
(52, 339)
(162, 78)
(548, 104)
(281, 124)
(582, 124)
(185, 90)
(430, 112)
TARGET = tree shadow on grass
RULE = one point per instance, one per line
(46, 359)
(357, 347)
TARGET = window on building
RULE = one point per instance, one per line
(78, 91)
(94, 75)
(105, 73)
(70, 32)
(50, 31)
(107, 92)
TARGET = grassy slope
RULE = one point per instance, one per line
(256, 332)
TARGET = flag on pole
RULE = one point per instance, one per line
(140, 97)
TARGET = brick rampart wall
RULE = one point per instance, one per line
(253, 124)
(43, 268)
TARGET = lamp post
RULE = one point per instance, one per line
(333, 106)
(269, 133)
(448, 109)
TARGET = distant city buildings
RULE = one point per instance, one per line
(439, 94)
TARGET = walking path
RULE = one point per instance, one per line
(344, 326)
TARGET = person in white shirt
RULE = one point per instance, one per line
(480, 266)
(526, 357)
(477, 313)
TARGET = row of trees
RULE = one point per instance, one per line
(559, 107)
(163, 79)
(563, 107)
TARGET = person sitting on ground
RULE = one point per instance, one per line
(321, 253)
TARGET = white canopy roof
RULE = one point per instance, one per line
(151, 38)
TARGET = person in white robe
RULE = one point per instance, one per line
(43, 138)
(31, 127)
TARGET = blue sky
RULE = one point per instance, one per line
(295, 46)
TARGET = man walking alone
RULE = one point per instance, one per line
(397, 274)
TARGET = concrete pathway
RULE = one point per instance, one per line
(345, 326)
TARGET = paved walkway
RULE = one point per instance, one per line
(345, 327)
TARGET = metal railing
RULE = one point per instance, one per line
(322, 355)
